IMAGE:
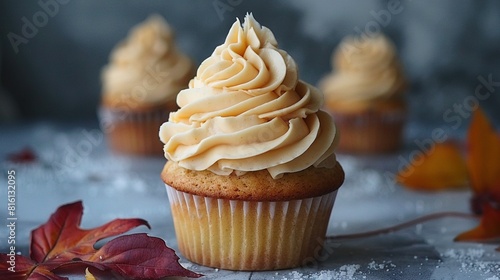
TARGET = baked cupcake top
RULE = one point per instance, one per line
(146, 68)
(367, 72)
(246, 110)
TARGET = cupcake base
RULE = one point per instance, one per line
(249, 235)
(133, 132)
(371, 131)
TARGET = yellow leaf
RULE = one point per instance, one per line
(88, 275)
(441, 168)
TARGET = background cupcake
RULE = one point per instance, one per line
(251, 173)
(140, 85)
(365, 94)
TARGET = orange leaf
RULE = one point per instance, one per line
(483, 159)
(441, 168)
(488, 229)
(483, 163)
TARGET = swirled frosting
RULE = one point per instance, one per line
(147, 68)
(367, 70)
(246, 110)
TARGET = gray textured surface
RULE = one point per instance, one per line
(113, 186)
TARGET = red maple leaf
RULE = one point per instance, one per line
(60, 245)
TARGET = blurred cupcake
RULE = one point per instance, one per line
(140, 85)
(251, 174)
(365, 95)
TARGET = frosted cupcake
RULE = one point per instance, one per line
(251, 174)
(140, 85)
(365, 94)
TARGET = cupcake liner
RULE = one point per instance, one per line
(371, 131)
(249, 235)
(133, 132)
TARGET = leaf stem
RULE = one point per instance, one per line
(403, 225)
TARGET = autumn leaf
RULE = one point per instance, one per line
(60, 244)
(481, 168)
(61, 238)
(483, 162)
(488, 229)
(89, 275)
(441, 168)
(20, 267)
(483, 159)
(26, 155)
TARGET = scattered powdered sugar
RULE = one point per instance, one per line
(472, 260)
(363, 180)
(464, 254)
(345, 272)
(380, 266)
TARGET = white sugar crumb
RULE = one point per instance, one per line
(462, 254)
(345, 272)
(471, 260)
(379, 266)
(493, 278)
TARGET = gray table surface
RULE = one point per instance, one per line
(75, 166)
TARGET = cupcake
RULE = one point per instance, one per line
(139, 87)
(251, 173)
(365, 95)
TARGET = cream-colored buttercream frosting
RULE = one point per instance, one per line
(366, 70)
(246, 110)
(147, 68)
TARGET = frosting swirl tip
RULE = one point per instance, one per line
(247, 110)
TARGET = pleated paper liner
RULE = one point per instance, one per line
(249, 235)
(133, 132)
(370, 132)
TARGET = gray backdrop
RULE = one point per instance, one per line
(52, 50)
